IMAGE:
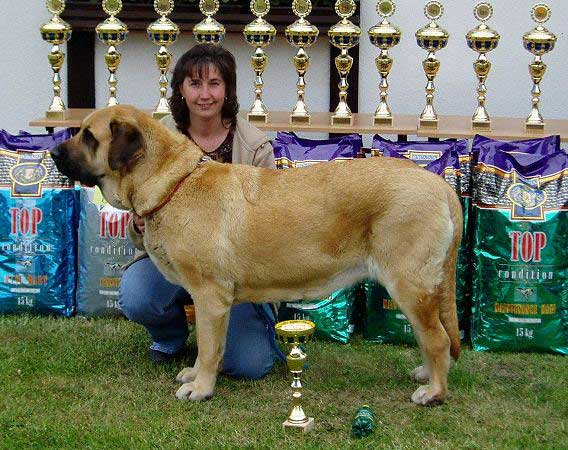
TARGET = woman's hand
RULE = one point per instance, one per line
(138, 222)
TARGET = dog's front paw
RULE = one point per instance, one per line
(420, 374)
(428, 396)
(191, 391)
(186, 375)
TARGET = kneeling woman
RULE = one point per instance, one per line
(204, 107)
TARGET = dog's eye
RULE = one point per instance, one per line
(90, 140)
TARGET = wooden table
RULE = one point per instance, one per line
(504, 128)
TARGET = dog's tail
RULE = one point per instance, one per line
(447, 291)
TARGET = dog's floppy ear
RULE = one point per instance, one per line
(126, 147)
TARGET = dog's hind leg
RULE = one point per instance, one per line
(212, 306)
(422, 310)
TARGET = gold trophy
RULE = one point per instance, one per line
(344, 35)
(294, 333)
(163, 32)
(301, 34)
(209, 31)
(56, 32)
(538, 41)
(259, 33)
(112, 32)
(482, 39)
(384, 36)
(431, 38)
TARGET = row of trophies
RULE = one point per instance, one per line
(302, 34)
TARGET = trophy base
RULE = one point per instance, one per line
(432, 124)
(342, 120)
(160, 114)
(382, 121)
(300, 120)
(485, 126)
(56, 114)
(257, 118)
(534, 127)
(306, 427)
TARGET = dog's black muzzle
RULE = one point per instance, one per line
(70, 168)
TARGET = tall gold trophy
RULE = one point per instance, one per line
(209, 31)
(56, 32)
(259, 33)
(163, 32)
(538, 41)
(482, 39)
(301, 34)
(431, 38)
(112, 32)
(294, 333)
(384, 36)
(344, 35)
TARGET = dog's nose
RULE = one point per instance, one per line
(58, 151)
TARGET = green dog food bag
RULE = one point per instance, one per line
(333, 315)
(520, 254)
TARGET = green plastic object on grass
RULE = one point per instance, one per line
(364, 422)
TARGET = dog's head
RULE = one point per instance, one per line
(108, 146)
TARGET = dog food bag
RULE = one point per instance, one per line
(333, 315)
(104, 248)
(383, 321)
(293, 151)
(520, 254)
(38, 227)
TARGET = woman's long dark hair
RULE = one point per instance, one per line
(195, 62)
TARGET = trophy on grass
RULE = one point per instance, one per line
(163, 32)
(384, 36)
(259, 33)
(56, 32)
(112, 32)
(482, 39)
(431, 38)
(538, 41)
(209, 31)
(344, 35)
(301, 34)
(294, 333)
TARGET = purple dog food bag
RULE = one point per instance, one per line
(293, 151)
(38, 228)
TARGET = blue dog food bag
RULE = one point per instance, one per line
(38, 227)
(104, 248)
(334, 315)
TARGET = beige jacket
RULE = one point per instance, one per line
(250, 146)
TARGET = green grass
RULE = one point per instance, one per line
(75, 383)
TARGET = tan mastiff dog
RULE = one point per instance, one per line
(231, 233)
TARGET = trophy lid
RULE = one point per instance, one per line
(482, 38)
(259, 33)
(432, 37)
(163, 31)
(539, 40)
(56, 31)
(209, 30)
(385, 35)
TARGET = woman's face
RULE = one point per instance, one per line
(204, 96)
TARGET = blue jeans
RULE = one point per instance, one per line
(147, 298)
